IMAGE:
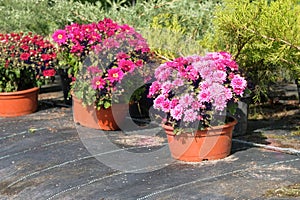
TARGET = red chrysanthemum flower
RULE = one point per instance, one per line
(25, 47)
(46, 57)
(24, 56)
(49, 72)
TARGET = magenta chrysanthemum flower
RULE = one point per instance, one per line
(60, 36)
(126, 65)
(77, 48)
(139, 63)
(94, 70)
(98, 83)
(232, 65)
(155, 86)
(191, 73)
(115, 75)
(166, 105)
(174, 103)
(122, 55)
(158, 102)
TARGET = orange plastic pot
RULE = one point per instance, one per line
(210, 144)
(105, 119)
(13, 104)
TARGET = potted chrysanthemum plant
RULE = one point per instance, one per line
(110, 75)
(26, 62)
(195, 94)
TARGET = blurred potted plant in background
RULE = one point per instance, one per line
(195, 92)
(26, 62)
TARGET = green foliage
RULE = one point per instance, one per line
(13, 79)
(69, 62)
(45, 16)
(264, 38)
(176, 27)
(168, 44)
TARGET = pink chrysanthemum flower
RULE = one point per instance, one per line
(162, 73)
(154, 88)
(98, 83)
(204, 96)
(219, 76)
(166, 87)
(238, 84)
(186, 100)
(206, 72)
(178, 82)
(158, 102)
(177, 112)
(94, 70)
(190, 115)
(220, 102)
(115, 75)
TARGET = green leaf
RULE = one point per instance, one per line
(106, 104)
(232, 108)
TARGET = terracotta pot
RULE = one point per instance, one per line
(85, 116)
(104, 119)
(110, 119)
(13, 104)
(210, 144)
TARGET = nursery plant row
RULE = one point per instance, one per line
(262, 36)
